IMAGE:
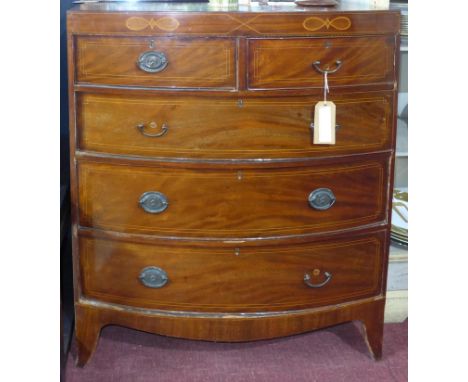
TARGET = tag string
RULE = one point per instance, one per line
(325, 87)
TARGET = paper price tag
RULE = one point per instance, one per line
(324, 123)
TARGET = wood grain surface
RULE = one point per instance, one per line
(266, 127)
(192, 63)
(230, 203)
(92, 316)
(288, 63)
(233, 280)
(211, 20)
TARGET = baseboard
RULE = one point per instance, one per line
(397, 278)
(396, 307)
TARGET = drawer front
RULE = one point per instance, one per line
(229, 127)
(232, 280)
(166, 62)
(288, 63)
(231, 203)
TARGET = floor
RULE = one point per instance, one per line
(330, 355)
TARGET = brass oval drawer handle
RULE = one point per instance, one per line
(152, 125)
(153, 202)
(307, 279)
(152, 61)
(322, 199)
(153, 277)
(317, 67)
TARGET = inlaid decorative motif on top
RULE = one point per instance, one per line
(314, 23)
(164, 23)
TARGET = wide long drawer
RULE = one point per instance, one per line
(157, 62)
(226, 127)
(279, 63)
(232, 203)
(232, 279)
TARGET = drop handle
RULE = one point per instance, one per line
(152, 61)
(153, 277)
(308, 278)
(338, 64)
(153, 202)
(321, 199)
(142, 129)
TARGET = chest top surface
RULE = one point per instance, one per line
(272, 7)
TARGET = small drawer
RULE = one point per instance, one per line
(160, 62)
(229, 127)
(214, 202)
(180, 278)
(289, 63)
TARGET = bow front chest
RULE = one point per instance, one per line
(202, 208)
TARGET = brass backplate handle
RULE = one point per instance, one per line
(153, 202)
(321, 199)
(317, 67)
(152, 61)
(142, 130)
(153, 277)
(307, 281)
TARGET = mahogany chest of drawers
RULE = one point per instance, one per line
(202, 209)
